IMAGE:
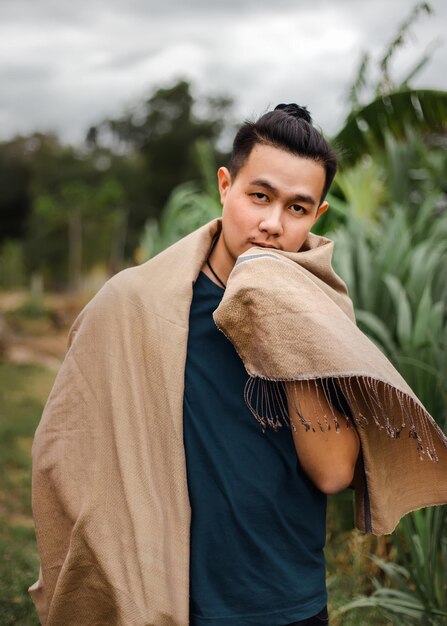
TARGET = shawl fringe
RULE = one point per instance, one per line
(360, 400)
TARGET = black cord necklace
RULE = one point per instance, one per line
(219, 280)
(215, 275)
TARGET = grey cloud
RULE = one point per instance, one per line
(116, 51)
(23, 74)
(127, 59)
(82, 11)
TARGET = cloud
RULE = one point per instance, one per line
(65, 65)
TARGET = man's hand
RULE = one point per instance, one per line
(327, 454)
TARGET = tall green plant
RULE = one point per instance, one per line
(396, 272)
(188, 207)
(419, 592)
(381, 105)
(395, 264)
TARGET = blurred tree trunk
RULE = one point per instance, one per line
(75, 251)
(117, 249)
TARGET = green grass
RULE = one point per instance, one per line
(18, 571)
(23, 391)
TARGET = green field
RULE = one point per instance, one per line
(23, 390)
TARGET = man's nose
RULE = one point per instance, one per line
(271, 222)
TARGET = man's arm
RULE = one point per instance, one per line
(328, 457)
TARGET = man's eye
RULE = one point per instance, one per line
(259, 196)
(297, 208)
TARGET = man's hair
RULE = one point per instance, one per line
(288, 127)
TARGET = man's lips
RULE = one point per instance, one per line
(264, 245)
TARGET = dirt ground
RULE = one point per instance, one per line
(33, 332)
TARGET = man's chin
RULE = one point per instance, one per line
(247, 247)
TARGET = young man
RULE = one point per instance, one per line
(157, 497)
(257, 545)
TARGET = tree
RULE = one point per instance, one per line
(164, 130)
(76, 228)
(15, 193)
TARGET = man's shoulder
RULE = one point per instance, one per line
(178, 263)
(156, 286)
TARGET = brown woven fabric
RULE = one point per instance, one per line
(110, 496)
(290, 319)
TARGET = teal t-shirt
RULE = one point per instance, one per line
(258, 523)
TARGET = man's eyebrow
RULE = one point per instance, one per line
(299, 197)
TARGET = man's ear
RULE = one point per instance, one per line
(224, 182)
(321, 209)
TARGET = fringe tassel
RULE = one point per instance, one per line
(321, 403)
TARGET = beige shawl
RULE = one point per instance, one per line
(110, 497)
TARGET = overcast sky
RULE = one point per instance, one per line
(65, 64)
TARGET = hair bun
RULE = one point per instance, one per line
(300, 113)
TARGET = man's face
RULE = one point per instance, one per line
(273, 201)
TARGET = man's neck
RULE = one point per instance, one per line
(221, 262)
